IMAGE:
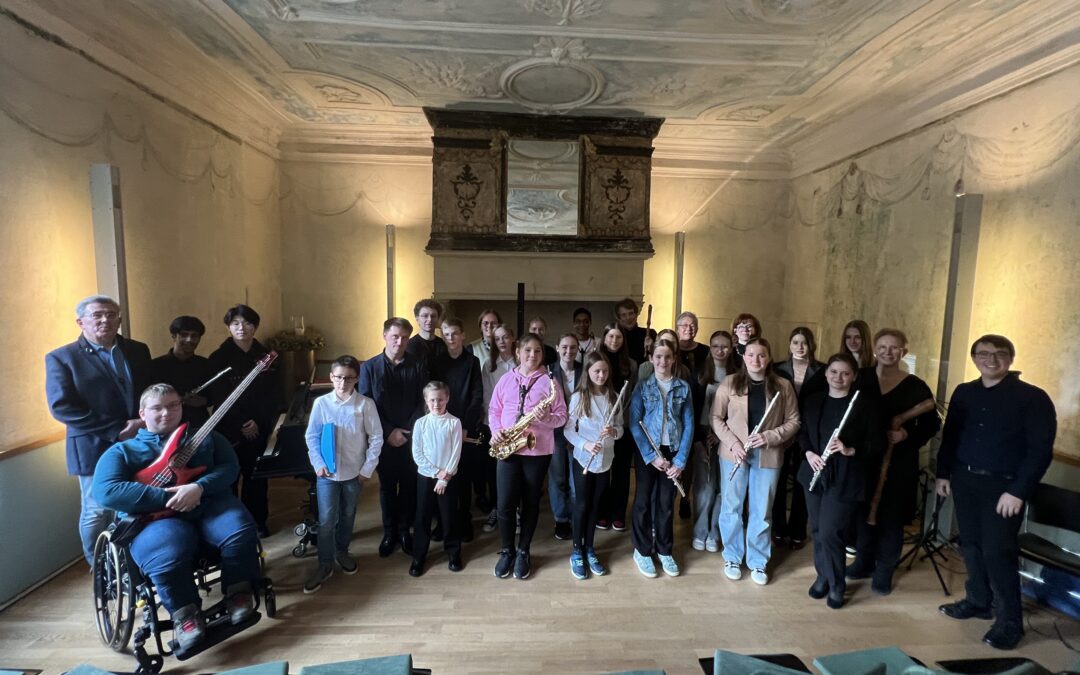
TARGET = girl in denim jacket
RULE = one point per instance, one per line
(662, 422)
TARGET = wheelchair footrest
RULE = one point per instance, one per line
(216, 633)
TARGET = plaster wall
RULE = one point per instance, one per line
(202, 228)
(888, 265)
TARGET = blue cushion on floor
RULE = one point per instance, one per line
(381, 665)
(85, 669)
(881, 661)
(271, 668)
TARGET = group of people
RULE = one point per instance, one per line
(720, 423)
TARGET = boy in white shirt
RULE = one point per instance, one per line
(436, 448)
(357, 442)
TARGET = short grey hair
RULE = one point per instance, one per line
(80, 308)
(687, 315)
(156, 391)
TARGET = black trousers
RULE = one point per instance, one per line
(615, 498)
(253, 492)
(791, 525)
(988, 542)
(427, 505)
(484, 480)
(878, 547)
(829, 517)
(654, 507)
(468, 468)
(589, 490)
(397, 489)
(521, 483)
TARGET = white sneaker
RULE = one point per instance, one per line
(732, 570)
(697, 544)
(670, 567)
(711, 546)
(759, 577)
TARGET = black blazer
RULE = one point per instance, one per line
(84, 396)
(560, 376)
(813, 381)
(844, 477)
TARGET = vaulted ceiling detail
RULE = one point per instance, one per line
(759, 87)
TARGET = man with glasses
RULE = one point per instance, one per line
(92, 386)
(997, 443)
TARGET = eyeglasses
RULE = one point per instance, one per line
(175, 405)
(1000, 355)
(101, 315)
(343, 378)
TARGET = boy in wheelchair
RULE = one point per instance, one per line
(203, 510)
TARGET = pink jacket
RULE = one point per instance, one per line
(505, 400)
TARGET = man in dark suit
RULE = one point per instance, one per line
(93, 387)
(566, 371)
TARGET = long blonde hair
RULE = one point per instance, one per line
(584, 387)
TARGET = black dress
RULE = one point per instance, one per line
(878, 547)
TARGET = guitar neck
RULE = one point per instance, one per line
(204, 431)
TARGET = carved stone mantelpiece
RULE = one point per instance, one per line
(470, 181)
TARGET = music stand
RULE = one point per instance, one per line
(929, 542)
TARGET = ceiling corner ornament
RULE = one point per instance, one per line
(282, 10)
(466, 189)
(556, 80)
(566, 10)
(453, 74)
(335, 94)
(616, 191)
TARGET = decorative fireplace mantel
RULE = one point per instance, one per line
(470, 182)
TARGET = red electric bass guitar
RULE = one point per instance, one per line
(170, 468)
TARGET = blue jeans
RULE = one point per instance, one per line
(751, 540)
(337, 515)
(165, 550)
(560, 488)
(93, 517)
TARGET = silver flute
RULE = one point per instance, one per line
(757, 429)
(828, 449)
(656, 449)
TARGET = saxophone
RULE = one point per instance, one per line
(515, 438)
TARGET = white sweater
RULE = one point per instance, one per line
(436, 444)
(358, 434)
(580, 430)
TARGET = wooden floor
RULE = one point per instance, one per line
(472, 622)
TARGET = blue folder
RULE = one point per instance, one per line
(328, 447)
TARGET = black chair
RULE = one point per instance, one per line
(121, 589)
(1054, 507)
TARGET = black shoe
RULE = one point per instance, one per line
(819, 590)
(505, 563)
(455, 564)
(1003, 636)
(521, 565)
(437, 535)
(881, 586)
(387, 545)
(406, 543)
(835, 599)
(854, 571)
(416, 568)
(563, 531)
(467, 533)
(965, 610)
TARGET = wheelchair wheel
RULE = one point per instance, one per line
(114, 593)
(300, 530)
(270, 602)
(299, 551)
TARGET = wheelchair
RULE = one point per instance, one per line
(121, 591)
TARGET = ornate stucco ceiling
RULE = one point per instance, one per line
(756, 87)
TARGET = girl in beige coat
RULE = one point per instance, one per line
(739, 406)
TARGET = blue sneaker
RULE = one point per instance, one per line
(671, 568)
(594, 563)
(577, 565)
(645, 565)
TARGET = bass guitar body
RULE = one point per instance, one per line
(162, 473)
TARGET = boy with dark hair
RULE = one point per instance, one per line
(185, 370)
(583, 332)
(426, 344)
